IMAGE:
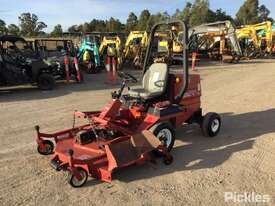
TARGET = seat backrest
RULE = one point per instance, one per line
(156, 74)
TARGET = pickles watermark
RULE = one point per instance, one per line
(247, 197)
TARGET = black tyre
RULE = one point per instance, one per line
(165, 133)
(46, 82)
(74, 182)
(211, 124)
(47, 148)
(168, 160)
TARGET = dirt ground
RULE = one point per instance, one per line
(240, 159)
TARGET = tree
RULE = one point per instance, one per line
(131, 22)
(3, 28)
(114, 25)
(263, 13)
(86, 27)
(100, 26)
(57, 31)
(13, 29)
(143, 19)
(218, 15)
(248, 12)
(184, 15)
(221, 15)
(199, 12)
(73, 29)
(29, 24)
(155, 18)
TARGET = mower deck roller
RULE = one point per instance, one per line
(133, 126)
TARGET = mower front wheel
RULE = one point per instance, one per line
(79, 179)
(46, 148)
(165, 133)
(211, 124)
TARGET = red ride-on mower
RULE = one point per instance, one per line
(133, 127)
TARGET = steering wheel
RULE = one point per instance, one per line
(127, 77)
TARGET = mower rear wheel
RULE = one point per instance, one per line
(165, 133)
(74, 181)
(47, 148)
(211, 124)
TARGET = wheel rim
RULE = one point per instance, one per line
(165, 136)
(215, 125)
(77, 182)
(47, 148)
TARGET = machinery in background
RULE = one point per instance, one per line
(135, 48)
(19, 64)
(256, 40)
(55, 50)
(216, 41)
(88, 54)
(45, 48)
(110, 51)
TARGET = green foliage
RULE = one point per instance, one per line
(248, 12)
(263, 13)
(111, 25)
(29, 24)
(193, 14)
(131, 23)
(156, 18)
(143, 19)
(57, 31)
(3, 28)
(13, 29)
(199, 12)
(185, 14)
(73, 28)
(114, 25)
(218, 15)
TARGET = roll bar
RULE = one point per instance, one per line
(185, 53)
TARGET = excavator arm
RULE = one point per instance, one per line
(222, 29)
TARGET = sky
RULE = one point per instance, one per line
(70, 12)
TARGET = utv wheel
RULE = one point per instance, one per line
(46, 82)
(74, 181)
(47, 148)
(165, 133)
(211, 124)
(168, 160)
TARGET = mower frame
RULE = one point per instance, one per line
(123, 134)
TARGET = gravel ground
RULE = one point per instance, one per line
(241, 159)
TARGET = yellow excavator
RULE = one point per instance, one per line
(137, 41)
(111, 47)
(135, 47)
(256, 39)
